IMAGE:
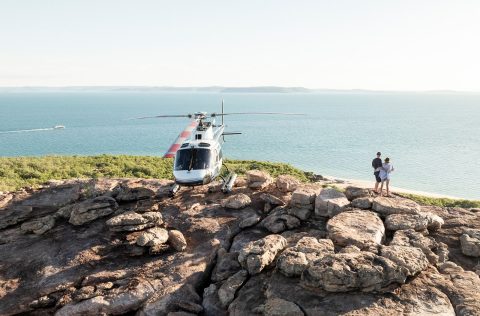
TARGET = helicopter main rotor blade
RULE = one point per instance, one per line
(255, 113)
(161, 116)
(180, 139)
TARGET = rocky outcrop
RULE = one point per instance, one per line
(258, 179)
(136, 260)
(89, 210)
(357, 227)
(39, 226)
(257, 255)
(470, 242)
(132, 221)
(237, 201)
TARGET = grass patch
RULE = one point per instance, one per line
(18, 172)
(443, 202)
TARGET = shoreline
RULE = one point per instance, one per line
(344, 182)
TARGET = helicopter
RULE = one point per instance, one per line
(197, 151)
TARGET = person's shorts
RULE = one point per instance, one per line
(377, 176)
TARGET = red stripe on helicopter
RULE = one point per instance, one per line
(180, 139)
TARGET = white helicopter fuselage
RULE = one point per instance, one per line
(199, 159)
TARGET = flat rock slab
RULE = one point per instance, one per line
(364, 271)
(359, 228)
(294, 260)
(386, 206)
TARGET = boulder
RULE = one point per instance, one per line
(353, 193)
(406, 221)
(89, 210)
(39, 226)
(177, 240)
(304, 197)
(279, 220)
(287, 183)
(363, 203)
(280, 307)
(226, 292)
(386, 206)
(271, 199)
(258, 179)
(256, 255)
(330, 202)
(363, 271)
(470, 242)
(301, 213)
(237, 201)
(227, 265)
(152, 236)
(249, 221)
(294, 260)
(357, 227)
(434, 222)
(132, 221)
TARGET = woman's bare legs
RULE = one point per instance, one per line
(381, 188)
(388, 186)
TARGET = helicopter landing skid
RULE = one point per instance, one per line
(173, 190)
(228, 182)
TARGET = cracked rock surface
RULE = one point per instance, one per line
(272, 247)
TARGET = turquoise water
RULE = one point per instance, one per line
(432, 139)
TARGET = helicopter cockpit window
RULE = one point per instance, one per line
(192, 159)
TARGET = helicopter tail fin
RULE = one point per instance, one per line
(180, 139)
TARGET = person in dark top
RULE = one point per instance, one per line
(377, 165)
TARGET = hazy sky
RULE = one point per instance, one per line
(344, 44)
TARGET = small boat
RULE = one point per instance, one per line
(58, 126)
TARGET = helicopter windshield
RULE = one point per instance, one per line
(192, 159)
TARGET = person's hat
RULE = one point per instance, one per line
(379, 154)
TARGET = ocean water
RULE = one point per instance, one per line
(433, 139)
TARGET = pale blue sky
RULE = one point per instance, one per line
(343, 44)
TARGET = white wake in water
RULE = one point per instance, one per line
(28, 130)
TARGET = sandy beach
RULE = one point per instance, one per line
(343, 183)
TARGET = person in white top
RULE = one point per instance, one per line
(385, 171)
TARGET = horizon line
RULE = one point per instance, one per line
(166, 87)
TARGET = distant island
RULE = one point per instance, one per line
(209, 89)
